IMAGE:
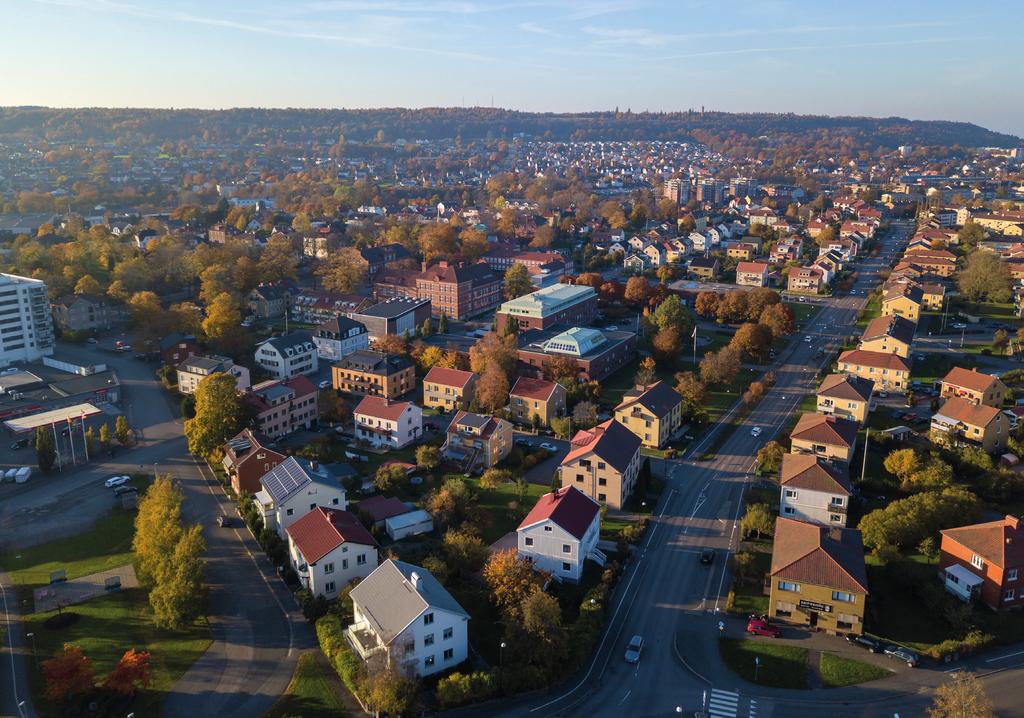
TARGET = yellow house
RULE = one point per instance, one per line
(889, 372)
(903, 301)
(448, 389)
(603, 463)
(539, 398)
(889, 335)
(654, 413)
(847, 397)
(476, 441)
(975, 386)
(818, 578)
(826, 436)
(960, 420)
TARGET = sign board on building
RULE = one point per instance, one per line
(815, 606)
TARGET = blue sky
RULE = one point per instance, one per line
(924, 60)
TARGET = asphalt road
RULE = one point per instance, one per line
(665, 593)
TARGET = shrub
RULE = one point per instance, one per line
(634, 532)
(971, 643)
(459, 688)
(330, 636)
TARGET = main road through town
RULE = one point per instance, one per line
(665, 594)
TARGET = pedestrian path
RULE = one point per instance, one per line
(730, 704)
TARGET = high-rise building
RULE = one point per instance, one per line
(677, 190)
(711, 191)
(743, 187)
(26, 327)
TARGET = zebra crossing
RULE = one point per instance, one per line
(730, 704)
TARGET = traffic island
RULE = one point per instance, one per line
(775, 665)
(838, 671)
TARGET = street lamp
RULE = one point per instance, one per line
(32, 636)
(757, 665)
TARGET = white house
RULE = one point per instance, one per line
(339, 337)
(387, 423)
(405, 618)
(561, 532)
(814, 490)
(288, 355)
(328, 548)
(295, 487)
(196, 368)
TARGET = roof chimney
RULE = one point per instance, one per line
(415, 580)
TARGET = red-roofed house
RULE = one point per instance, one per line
(448, 389)
(539, 398)
(386, 422)
(328, 548)
(985, 561)
(752, 274)
(561, 532)
(381, 508)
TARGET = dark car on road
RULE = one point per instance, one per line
(867, 642)
(707, 556)
(903, 654)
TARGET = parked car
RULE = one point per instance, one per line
(759, 627)
(92, 340)
(325, 384)
(549, 447)
(116, 481)
(903, 654)
(523, 443)
(122, 490)
(871, 644)
(707, 556)
(223, 520)
(633, 650)
(21, 444)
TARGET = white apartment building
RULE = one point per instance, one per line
(288, 355)
(387, 423)
(561, 532)
(814, 490)
(328, 548)
(26, 325)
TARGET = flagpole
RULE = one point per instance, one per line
(85, 441)
(53, 426)
(695, 345)
(71, 441)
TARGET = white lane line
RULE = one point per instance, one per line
(625, 696)
(728, 549)
(10, 644)
(1003, 658)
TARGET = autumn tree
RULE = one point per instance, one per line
(758, 520)
(769, 457)
(333, 406)
(753, 339)
(122, 432)
(218, 414)
(492, 389)
(542, 620)
(721, 367)
(584, 414)
(517, 281)
(437, 241)
(961, 696)
(985, 276)
(428, 456)
(87, 284)
(511, 579)
(130, 673)
(68, 673)
(637, 291)
(177, 596)
(646, 372)
(473, 244)
(691, 388)
(902, 463)
(666, 344)
(387, 691)
(560, 366)
(46, 451)
(104, 437)
(493, 350)
(223, 316)
(464, 551)
(706, 304)
(344, 271)
(779, 319)
(278, 260)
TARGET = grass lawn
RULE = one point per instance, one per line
(935, 366)
(720, 399)
(309, 694)
(612, 526)
(107, 627)
(871, 310)
(614, 386)
(749, 596)
(838, 671)
(802, 311)
(504, 506)
(781, 666)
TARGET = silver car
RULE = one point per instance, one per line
(633, 650)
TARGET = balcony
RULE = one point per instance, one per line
(365, 642)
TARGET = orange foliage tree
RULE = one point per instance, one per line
(68, 672)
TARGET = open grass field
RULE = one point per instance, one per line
(504, 505)
(838, 671)
(309, 694)
(780, 666)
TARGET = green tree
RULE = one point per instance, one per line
(517, 281)
(122, 431)
(218, 414)
(985, 276)
(758, 520)
(672, 313)
(90, 441)
(464, 551)
(46, 452)
(970, 234)
(177, 597)
(511, 326)
(442, 324)
(562, 426)
(769, 457)
(428, 457)
(427, 328)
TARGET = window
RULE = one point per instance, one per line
(428, 661)
(410, 647)
(547, 528)
(344, 564)
(289, 512)
(600, 497)
(566, 548)
(312, 506)
(790, 494)
(334, 501)
(789, 586)
(328, 568)
(428, 619)
(600, 465)
(977, 561)
(566, 566)
(329, 587)
(602, 482)
(447, 635)
(1009, 594)
(843, 596)
(428, 640)
(361, 559)
(1011, 575)
(780, 613)
(449, 653)
(528, 541)
(837, 500)
(579, 478)
(835, 518)
(844, 625)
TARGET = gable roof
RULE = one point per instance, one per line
(845, 386)
(383, 507)
(567, 507)
(610, 441)
(658, 398)
(380, 407)
(819, 555)
(969, 379)
(530, 388)
(324, 529)
(899, 328)
(449, 377)
(825, 430)
(289, 477)
(963, 410)
(755, 267)
(1001, 542)
(879, 360)
(804, 471)
(396, 594)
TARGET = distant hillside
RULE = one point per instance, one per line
(250, 126)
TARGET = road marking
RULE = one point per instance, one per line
(1003, 658)
(625, 696)
(10, 643)
(728, 549)
(723, 704)
(954, 670)
(752, 710)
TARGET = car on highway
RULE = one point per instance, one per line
(756, 431)
(903, 654)
(759, 627)
(634, 649)
(549, 447)
(707, 556)
(871, 644)
(116, 481)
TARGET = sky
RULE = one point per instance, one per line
(933, 59)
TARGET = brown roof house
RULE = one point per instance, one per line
(818, 577)
(959, 420)
(985, 562)
(974, 386)
(889, 372)
(825, 436)
(448, 389)
(603, 462)
(889, 335)
(328, 549)
(477, 441)
(814, 489)
(536, 401)
(247, 459)
(845, 396)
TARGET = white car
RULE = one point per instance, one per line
(549, 447)
(116, 481)
(756, 431)
(325, 384)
